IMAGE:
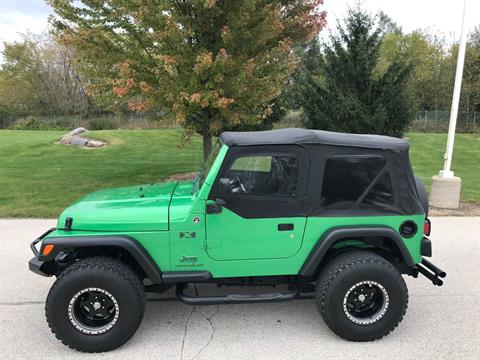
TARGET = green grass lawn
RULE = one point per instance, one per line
(426, 154)
(38, 178)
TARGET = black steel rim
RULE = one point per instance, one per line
(366, 302)
(93, 311)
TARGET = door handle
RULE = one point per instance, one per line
(285, 227)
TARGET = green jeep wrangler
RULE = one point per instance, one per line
(337, 216)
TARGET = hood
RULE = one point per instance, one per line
(132, 208)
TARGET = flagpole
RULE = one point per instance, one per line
(446, 172)
(445, 192)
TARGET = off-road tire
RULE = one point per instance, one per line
(344, 272)
(106, 273)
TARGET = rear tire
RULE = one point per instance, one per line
(361, 296)
(96, 304)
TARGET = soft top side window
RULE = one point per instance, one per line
(265, 174)
(356, 180)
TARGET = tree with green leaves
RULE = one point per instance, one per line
(348, 92)
(309, 65)
(471, 81)
(210, 64)
(37, 77)
(431, 80)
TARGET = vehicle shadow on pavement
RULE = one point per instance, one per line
(206, 331)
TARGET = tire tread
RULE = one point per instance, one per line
(110, 265)
(345, 262)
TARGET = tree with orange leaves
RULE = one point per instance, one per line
(214, 64)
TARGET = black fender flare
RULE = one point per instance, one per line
(127, 243)
(335, 234)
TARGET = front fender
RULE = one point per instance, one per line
(127, 243)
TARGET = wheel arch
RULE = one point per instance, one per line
(380, 239)
(101, 245)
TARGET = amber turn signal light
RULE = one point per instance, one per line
(47, 249)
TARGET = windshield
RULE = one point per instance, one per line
(205, 169)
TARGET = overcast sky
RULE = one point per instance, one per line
(439, 16)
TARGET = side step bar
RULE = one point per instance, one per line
(431, 272)
(234, 298)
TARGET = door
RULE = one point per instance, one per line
(262, 213)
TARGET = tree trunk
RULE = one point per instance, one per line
(207, 137)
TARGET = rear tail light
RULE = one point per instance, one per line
(427, 227)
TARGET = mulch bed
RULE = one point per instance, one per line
(466, 208)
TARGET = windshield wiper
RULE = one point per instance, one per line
(196, 183)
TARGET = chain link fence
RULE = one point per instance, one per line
(437, 121)
(425, 121)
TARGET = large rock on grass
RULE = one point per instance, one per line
(66, 139)
(94, 143)
(79, 141)
(77, 131)
(73, 138)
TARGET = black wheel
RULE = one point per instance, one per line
(361, 296)
(96, 304)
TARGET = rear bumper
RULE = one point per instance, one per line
(431, 272)
(426, 268)
(426, 247)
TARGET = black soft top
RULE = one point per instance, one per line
(306, 136)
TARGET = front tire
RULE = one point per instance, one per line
(361, 296)
(96, 304)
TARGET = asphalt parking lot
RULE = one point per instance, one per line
(441, 322)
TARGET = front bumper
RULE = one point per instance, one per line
(35, 265)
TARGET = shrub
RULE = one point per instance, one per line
(103, 124)
(6, 116)
(35, 123)
(29, 123)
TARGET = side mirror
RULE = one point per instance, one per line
(225, 187)
(220, 202)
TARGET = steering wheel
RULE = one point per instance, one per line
(238, 182)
